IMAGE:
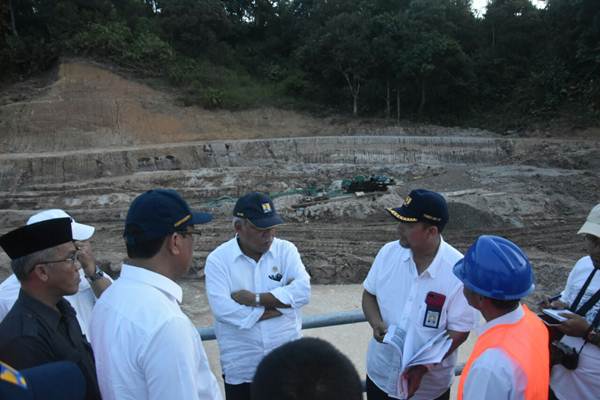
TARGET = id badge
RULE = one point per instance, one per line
(435, 302)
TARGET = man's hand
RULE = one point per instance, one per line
(575, 325)
(379, 331)
(244, 297)
(86, 257)
(413, 376)
(270, 313)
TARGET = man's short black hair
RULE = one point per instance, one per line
(146, 249)
(306, 369)
(505, 305)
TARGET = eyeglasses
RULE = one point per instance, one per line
(189, 232)
(71, 260)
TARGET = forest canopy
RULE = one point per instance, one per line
(421, 59)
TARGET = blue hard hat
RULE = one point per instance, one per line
(497, 268)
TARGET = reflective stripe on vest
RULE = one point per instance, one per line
(526, 342)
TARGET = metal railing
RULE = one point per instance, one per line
(320, 321)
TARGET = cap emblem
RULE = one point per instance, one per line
(407, 200)
(266, 207)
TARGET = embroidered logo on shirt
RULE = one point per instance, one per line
(276, 276)
(266, 207)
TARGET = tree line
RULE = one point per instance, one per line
(432, 59)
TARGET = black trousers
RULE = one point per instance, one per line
(237, 392)
(374, 393)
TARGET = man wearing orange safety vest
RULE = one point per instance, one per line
(510, 360)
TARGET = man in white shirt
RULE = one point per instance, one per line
(411, 286)
(510, 360)
(256, 285)
(581, 334)
(145, 346)
(93, 281)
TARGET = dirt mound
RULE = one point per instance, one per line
(89, 140)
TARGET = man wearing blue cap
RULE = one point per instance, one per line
(411, 286)
(256, 285)
(510, 360)
(61, 380)
(146, 347)
(41, 327)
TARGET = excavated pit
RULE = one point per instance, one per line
(90, 140)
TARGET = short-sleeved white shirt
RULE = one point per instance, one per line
(243, 340)
(83, 301)
(145, 347)
(401, 294)
(584, 381)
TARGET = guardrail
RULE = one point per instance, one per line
(320, 321)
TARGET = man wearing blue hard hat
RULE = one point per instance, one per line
(146, 347)
(510, 360)
(256, 285)
(411, 287)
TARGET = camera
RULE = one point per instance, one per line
(564, 355)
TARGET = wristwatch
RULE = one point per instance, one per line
(95, 276)
(594, 337)
(257, 299)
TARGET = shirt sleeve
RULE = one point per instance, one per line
(297, 293)
(461, 316)
(571, 289)
(170, 363)
(493, 376)
(370, 281)
(224, 308)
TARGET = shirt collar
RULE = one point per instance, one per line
(435, 264)
(153, 279)
(49, 315)
(237, 250)
(509, 318)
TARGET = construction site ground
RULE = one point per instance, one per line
(87, 139)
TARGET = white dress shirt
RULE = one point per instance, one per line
(401, 293)
(243, 340)
(83, 301)
(144, 345)
(582, 383)
(494, 375)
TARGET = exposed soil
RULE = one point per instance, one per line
(90, 140)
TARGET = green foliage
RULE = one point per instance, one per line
(428, 58)
(116, 42)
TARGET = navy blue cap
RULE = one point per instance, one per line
(259, 209)
(422, 205)
(35, 237)
(158, 213)
(61, 380)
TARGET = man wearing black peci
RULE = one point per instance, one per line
(42, 326)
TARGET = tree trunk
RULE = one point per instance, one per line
(13, 24)
(422, 103)
(387, 100)
(354, 86)
(398, 105)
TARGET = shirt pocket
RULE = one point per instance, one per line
(430, 320)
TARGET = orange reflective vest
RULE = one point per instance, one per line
(526, 342)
